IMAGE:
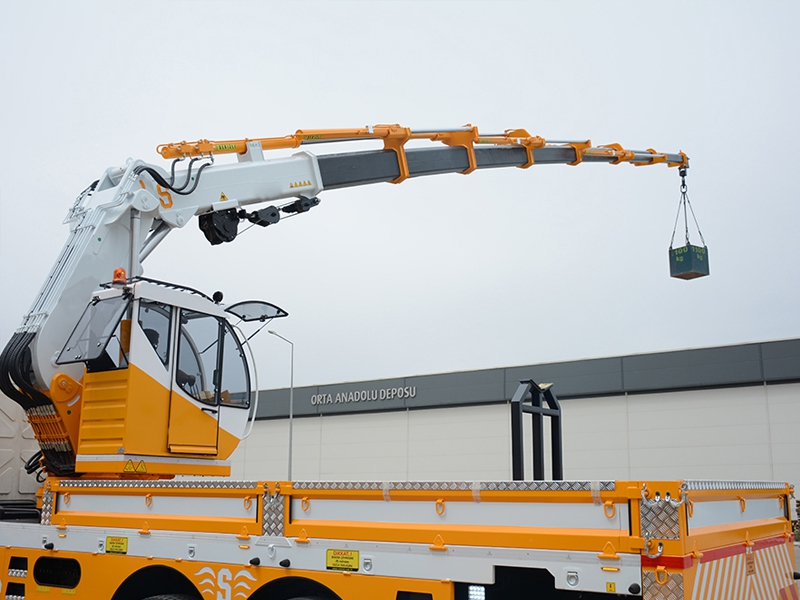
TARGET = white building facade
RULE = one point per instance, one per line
(730, 412)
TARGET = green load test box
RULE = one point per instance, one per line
(688, 262)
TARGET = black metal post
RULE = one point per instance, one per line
(556, 448)
(517, 459)
(519, 406)
(537, 421)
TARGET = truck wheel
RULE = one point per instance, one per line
(170, 597)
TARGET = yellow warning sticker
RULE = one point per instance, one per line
(341, 560)
(611, 587)
(116, 544)
(223, 197)
(140, 467)
(129, 468)
(750, 563)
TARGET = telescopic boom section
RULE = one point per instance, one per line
(527, 149)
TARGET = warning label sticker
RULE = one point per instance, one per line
(116, 545)
(341, 560)
(750, 563)
(139, 467)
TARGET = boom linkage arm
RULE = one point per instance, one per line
(395, 138)
(463, 150)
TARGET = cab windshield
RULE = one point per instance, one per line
(97, 339)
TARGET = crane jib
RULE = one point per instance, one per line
(363, 168)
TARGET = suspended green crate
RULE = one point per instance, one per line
(688, 262)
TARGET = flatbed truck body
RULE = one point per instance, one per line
(251, 540)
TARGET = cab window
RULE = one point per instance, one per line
(154, 319)
(235, 376)
(211, 363)
(100, 339)
(197, 356)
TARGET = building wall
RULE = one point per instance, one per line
(743, 433)
(730, 412)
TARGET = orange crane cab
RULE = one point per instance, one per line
(167, 385)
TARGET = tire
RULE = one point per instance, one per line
(170, 597)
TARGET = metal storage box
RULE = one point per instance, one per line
(688, 262)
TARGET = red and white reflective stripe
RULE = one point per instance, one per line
(789, 593)
(723, 573)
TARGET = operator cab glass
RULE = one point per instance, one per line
(177, 337)
(235, 384)
(155, 320)
(197, 356)
(97, 339)
(211, 363)
(256, 310)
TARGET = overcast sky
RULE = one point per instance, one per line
(444, 273)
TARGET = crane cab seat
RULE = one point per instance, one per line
(152, 336)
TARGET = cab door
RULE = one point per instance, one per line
(195, 393)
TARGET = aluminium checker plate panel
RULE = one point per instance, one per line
(671, 589)
(548, 486)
